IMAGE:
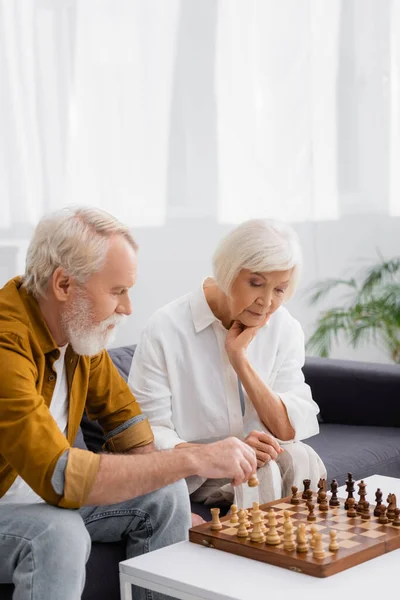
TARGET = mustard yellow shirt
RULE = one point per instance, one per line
(30, 441)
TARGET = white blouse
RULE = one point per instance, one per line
(186, 386)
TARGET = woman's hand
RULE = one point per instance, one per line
(197, 520)
(238, 338)
(266, 447)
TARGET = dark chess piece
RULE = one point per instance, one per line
(396, 521)
(382, 517)
(391, 500)
(334, 500)
(351, 511)
(365, 511)
(321, 488)
(378, 500)
(306, 483)
(311, 516)
(362, 492)
(349, 489)
(323, 505)
(294, 499)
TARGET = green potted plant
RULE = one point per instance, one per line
(369, 311)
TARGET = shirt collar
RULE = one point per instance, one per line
(202, 314)
(25, 308)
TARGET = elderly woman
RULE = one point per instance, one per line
(226, 360)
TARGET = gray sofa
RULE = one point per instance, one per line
(359, 432)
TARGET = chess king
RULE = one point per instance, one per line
(226, 360)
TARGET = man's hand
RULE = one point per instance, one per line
(266, 447)
(238, 338)
(197, 520)
(230, 458)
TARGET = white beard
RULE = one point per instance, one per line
(85, 338)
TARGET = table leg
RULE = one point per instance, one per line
(125, 587)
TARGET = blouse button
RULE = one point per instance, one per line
(51, 377)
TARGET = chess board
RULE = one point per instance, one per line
(359, 540)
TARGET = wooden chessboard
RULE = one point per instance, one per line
(359, 540)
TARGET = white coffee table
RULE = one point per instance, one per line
(191, 572)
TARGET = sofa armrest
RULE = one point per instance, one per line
(355, 393)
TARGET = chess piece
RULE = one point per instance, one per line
(334, 501)
(242, 529)
(301, 539)
(349, 490)
(365, 511)
(311, 516)
(256, 534)
(253, 481)
(288, 537)
(294, 499)
(313, 531)
(321, 488)
(306, 483)
(382, 517)
(378, 500)
(215, 523)
(234, 515)
(323, 505)
(351, 512)
(272, 538)
(318, 550)
(362, 487)
(396, 521)
(391, 500)
(333, 543)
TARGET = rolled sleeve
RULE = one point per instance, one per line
(137, 434)
(294, 392)
(80, 472)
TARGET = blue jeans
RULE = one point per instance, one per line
(44, 549)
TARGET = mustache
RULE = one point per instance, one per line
(113, 320)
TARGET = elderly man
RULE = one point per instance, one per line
(55, 322)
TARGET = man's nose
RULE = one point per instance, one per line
(125, 306)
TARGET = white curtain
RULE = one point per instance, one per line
(118, 150)
(35, 68)
(276, 97)
(96, 108)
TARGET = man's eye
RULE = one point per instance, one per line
(280, 291)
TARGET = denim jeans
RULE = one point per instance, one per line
(44, 549)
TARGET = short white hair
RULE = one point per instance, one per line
(74, 238)
(260, 245)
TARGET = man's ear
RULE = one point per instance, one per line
(62, 284)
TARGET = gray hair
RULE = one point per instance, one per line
(260, 245)
(73, 238)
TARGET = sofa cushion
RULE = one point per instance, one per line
(353, 392)
(122, 359)
(360, 450)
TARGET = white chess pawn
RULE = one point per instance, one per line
(333, 543)
(234, 515)
(288, 537)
